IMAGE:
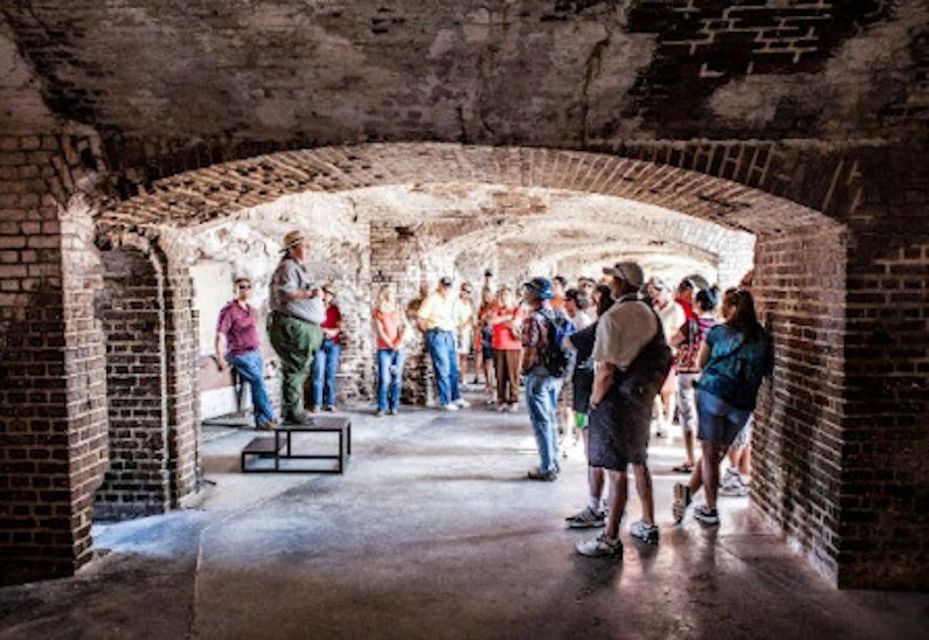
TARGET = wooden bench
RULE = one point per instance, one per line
(280, 447)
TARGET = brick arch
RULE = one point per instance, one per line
(217, 191)
(799, 457)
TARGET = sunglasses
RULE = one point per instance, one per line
(245, 286)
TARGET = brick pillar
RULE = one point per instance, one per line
(183, 392)
(885, 488)
(52, 416)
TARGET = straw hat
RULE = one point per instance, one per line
(293, 238)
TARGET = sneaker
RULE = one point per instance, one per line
(462, 403)
(647, 533)
(330, 408)
(379, 413)
(706, 515)
(733, 486)
(513, 408)
(681, 501)
(545, 476)
(586, 519)
(501, 408)
(393, 411)
(600, 547)
(451, 406)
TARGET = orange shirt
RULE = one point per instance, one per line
(390, 323)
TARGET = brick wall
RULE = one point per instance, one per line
(137, 481)
(798, 435)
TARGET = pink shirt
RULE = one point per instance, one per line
(239, 325)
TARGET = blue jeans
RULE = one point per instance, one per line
(250, 367)
(445, 363)
(389, 377)
(540, 391)
(325, 366)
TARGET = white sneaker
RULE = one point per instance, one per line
(599, 547)
(647, 533)
(451, 406)
(461, 402)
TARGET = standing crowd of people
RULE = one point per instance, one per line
(636, 353)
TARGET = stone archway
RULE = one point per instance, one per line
(800, 416)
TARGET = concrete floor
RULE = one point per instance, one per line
(433, 533)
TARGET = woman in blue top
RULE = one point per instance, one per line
(733, 359)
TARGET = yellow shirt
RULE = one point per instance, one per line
(438, 312)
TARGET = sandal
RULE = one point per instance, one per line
(683, 468)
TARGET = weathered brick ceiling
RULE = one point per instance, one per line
(216, 192)
(554, 73)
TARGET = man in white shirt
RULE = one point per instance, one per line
(619, 427)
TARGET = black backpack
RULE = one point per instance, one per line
(552, 355)
(643, 379)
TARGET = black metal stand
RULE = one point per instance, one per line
(280, 447)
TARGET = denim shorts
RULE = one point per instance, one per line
(719, 421)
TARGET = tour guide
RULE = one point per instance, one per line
(296, 312)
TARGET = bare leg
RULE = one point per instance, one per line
(712, 456)
(689, 446)
(595, 475)
(667, 402)
(617, 482)
(745, 463)
(643, 486)
(734, 456)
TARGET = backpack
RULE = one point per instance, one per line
(552, 354)
(641, 382)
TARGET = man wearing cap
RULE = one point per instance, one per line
(542, 385)
(436, 318)
(619, 428)
(297, 312)
(238, 322)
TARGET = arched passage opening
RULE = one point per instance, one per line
(799, 422)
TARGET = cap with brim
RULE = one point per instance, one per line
(631, 272)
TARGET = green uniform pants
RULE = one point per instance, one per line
(296, 343)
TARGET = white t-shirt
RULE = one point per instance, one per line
(623, 331)
(581, 320)
(672, 317)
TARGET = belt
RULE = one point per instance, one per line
(284, 314)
